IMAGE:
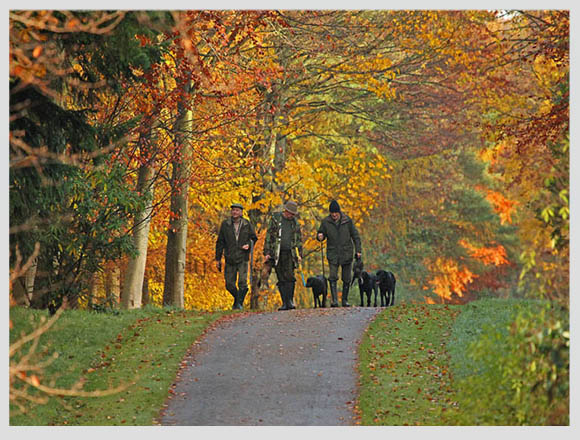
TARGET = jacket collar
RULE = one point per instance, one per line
(343, 219)
(230, 221)
(280, 216)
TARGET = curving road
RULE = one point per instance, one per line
(284, 368)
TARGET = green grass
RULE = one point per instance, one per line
(139, 349)
(490, 362)
(507, 358)
(404, 366)
(419, 364)
(480, 319)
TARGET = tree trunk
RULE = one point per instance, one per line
(176, 242)
(275, 155)
(18, 295)
(93, 289)
(173, 292)
(113, 284)
(133, 284)
(30, 278)
(145, 295)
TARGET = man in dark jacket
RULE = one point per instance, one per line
(283, 250)
(342, 241)
(234, 241)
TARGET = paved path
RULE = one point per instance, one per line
(295, 367)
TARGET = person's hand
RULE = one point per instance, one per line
(299, 258)
(320, 236)
(246, 247)
(358, 255)
(266, 258)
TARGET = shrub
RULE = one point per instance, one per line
(520, 373)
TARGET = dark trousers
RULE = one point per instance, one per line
(286, 279)
(346, 272)
(236, 274)
(285, 267)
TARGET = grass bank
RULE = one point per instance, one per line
(140, 350)
(491, 362)
(404, 366)
(511, 363)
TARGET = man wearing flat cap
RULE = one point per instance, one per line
(343, 240)
(283, 250)
(234, 242)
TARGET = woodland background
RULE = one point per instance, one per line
(443, 134)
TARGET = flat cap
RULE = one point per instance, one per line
(291, 206)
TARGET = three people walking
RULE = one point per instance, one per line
(283, 251)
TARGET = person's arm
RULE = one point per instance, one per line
(253, 235)
(219, 246)
(321, 233)
(299, 239)
(355, 238)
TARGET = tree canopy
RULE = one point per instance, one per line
(443, 134)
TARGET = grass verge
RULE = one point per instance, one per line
(139, 349)
(510, 361)
(404, 366)
(490, 362)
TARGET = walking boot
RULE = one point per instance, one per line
(345, 288)
(284, 296)
(234, 293)
(333, 294)
(290, 297)
(241, 297)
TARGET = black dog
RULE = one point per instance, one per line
(367, 284)
(386, 281)
(319, 285)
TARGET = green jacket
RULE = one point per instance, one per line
(228, 245)
(274, 236)
(343, 239)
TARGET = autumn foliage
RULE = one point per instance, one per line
(443, 134)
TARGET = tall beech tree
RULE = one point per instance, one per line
(177, 232)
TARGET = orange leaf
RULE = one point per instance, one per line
(37, 51)
(72, 23)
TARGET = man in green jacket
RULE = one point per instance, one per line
(342, 240)
(283, 250)
(234, 242)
